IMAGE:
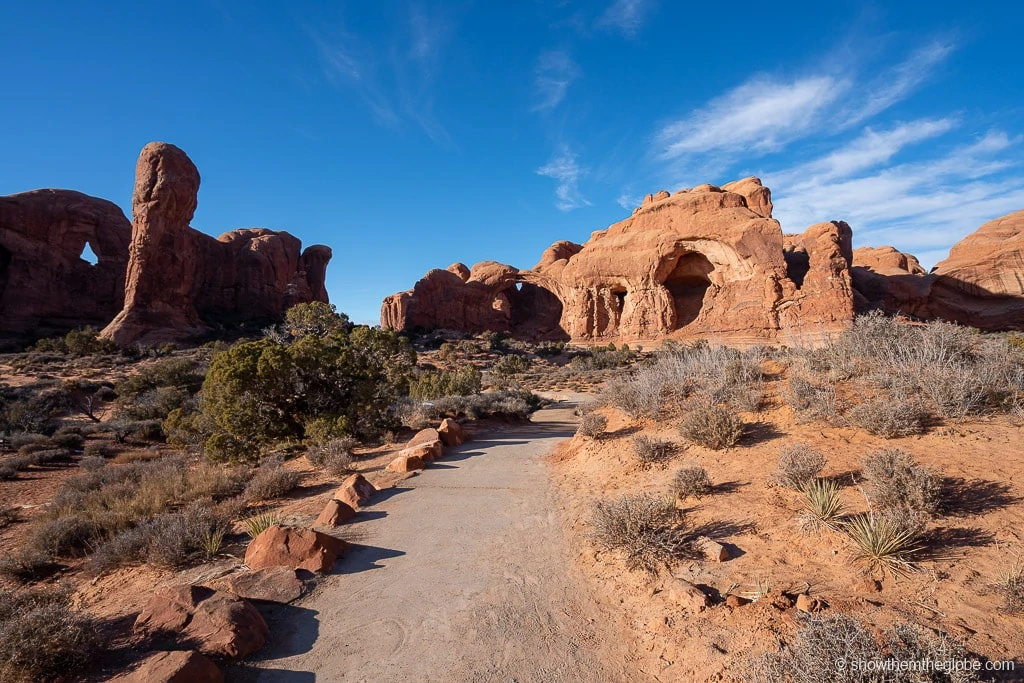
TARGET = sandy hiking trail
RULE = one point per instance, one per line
(462, 573)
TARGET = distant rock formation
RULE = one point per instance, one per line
(45, 285)
(156, 277)
(703, 261)
(981, 284)
(181, 281)
(712, 262)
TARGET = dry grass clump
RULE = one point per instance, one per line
(335, 456)
(822, 505)
(822, 641)
(26, 565)
(884, 544)
(271, 480)
(592, 425)
(811, 400)
(1011, 588)
(720, 374)
(712, 426)
(691, 481)
(799, 464)
(647, 531)
(171, 540)
(889, 416)
(42, 637)
(649, 450)
(895, 481)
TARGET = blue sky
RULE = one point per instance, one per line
(409, 134)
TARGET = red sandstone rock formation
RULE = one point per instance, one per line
(180, 281)
(45, 285)
(705, 261)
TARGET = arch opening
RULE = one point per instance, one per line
(536, 313)
(687, 284)
(88, 255)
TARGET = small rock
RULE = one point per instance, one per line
(180, 666)
(217, 623)
(451, 432)
(285, 546)
(713, 550)
(335, 513)
(356, 491)
(427, 451)
(736, 601)
(406, 463)
(273, 584)
(424, 436)
(683, 593)
(806, 603)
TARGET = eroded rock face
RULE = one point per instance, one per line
(45, 285)
(180, 281)
(704, 261)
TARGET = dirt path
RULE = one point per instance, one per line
(461, 574)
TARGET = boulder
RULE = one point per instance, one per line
(274, 584)
(424, 436)
(406, 463)
(713, 550)
(177, 666)
(355, 491)
(427, 451)
(451, 433)
(181, 281)
(686, 595)
(46, 287)
(806, 603)
(214, 622)
(285, 546)
(334, 514)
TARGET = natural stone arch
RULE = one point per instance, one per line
(687, 285)
(536, 312)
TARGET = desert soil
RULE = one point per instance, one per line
(462, 573)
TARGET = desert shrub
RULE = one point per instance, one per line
(155, 404)
(66, 536)
(42, 637)
(27, 565)
(510, 365)
(171, 540)
(821, 504)
(50, 455)
(91, 462)
(19, 441)
(70, 441)
(262, 392)
(799, 464)
(463, 381)
(648, 532)
(507, 403)
(86, 341)
(712, 426)
(550, 349)
(181, 373)
(719, 374)
(649, 450)
(810, 399)
(316, 319)
(896, 481)
(271, 480)
(889, 416)
(187, 429)
(592, 425)
(822, 641)
(602, 358)
(335, 456)
(958, 391)
(97, 449)
(8, 472)
(257, 524)
(881, 544)
(211, 481)
(1011, 588)
(8, 516)
(692, 481)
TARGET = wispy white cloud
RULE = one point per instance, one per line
(762, 114)
(554, 73)
(898, 82)
(921, 206)
(396, 79)
(565, 170)
(625, 16)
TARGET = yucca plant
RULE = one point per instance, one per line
(822, 505)
(213, 540)
(257, 524)
(882, 545)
